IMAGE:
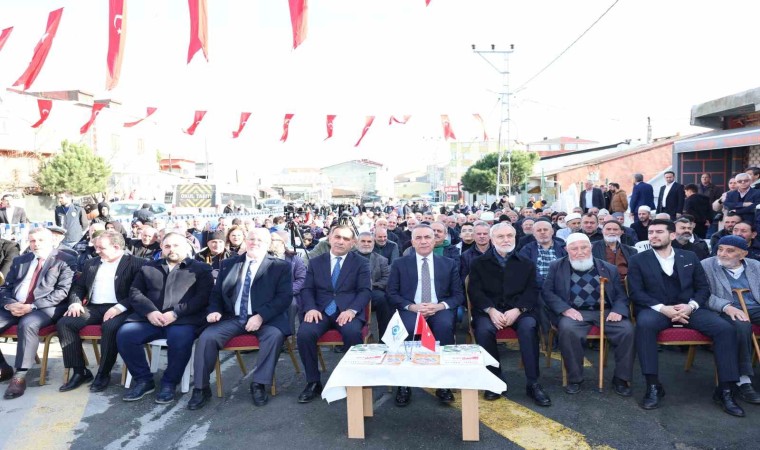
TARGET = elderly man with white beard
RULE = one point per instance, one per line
(571, 291)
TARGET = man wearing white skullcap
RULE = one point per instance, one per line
(642, 225)
(573, 225)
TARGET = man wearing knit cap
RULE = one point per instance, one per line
(215, 252)
(572, 292)
(573, 225)
(729, 270)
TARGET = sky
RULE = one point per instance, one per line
(644, 58)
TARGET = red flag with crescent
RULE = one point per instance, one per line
(367, 123)
(299, 20)
(93, 115)
(151, 110)
(41, 50)
(198, 117)
(483, 125)
(243, 120)
(286, 127)
(117, 29)
(330, 119)
(45, 106)
(427, 2)
(402, 121)
(198, 28)
(427, 339)
(448, 131)
(4, 36)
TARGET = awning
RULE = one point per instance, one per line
(740, 137)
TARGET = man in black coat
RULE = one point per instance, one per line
(698, 206)
(671, 197)
(592, 197)
(686, 240)
(611, 249)
(8, 251)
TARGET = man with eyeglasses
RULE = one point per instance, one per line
(743, 200)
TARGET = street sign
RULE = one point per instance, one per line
(195, 195)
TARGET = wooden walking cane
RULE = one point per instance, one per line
(739, 293)
(602, 280)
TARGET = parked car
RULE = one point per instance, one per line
(123, 209)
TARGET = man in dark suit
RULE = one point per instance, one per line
(431, 288)
(252, 294)
(572, 292)
(671, 197)
(379, 271)
(336, 291)
(33, 297)
(686, 240)
(9, 213)
(8, 251)
(668, 287)
(169, 298)
(503, 293)
(591, 197)
(642, 195)
(99, 296)
(743, 200)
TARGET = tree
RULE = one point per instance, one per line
(76, 169)
(481, 176)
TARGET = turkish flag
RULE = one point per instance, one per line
(4, 36)
(427, 2)
(480, 119)
(45, 106)
(41, 50)
(448, 131)
(286, 127)
(330, 119)
(243, 120)
(198, 117)
(367, 123)
(426, 336)
(117, 29)
(402, 121)
(299, 20)
(93, 115)
(198, 28)
(131, 124)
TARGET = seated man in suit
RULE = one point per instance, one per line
(611, 249)
(571, 291)
(503, 293)
(103, 287)
(729, 270)
(252, 295)
(336, 291)
(668, 287)
(33, 297)
(433, 290)
(9, 250)
(169, 298)
(379, 271)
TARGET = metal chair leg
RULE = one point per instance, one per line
(218, 370)
(321, 359)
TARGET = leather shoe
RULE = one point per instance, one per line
(77, 380)
(536, 392)
(6, 372)
(259, 394)
(310, 392)
(747, 393)
(101, 382)
(16, 388)
(166, 394)
(725, 398)
(621, 387)
(403, 396)
(444, 395)
(139, 390)
(652, 397)
(199, 398)
(491, 395)
(573, 388)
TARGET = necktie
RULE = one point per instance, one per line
(33, 283)
(425, 280)
(245, 296)
(332, 307)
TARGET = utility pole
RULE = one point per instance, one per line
(501, 65)
(649, 130)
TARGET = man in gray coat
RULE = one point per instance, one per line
(379, 270)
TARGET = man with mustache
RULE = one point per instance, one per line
(611, 249)
(686, 240)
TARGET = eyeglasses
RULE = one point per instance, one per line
(742, 181)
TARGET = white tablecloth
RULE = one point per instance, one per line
(413, 375)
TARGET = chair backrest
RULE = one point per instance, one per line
(642, 246)
(469, 308)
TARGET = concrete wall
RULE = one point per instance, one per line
(754, 156)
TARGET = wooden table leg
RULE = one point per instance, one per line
(355, 412)
(470, 415)
(367, 402)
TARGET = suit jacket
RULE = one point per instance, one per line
(81, 289)
(645, 279)
(379, 270)
(674, 203)
(8, 251)
(699, 206)
(19, 216)
(734, 202)
(53, 283)
(598, 250)
(597, 199)
(402, 283)
(642, 195)
(184, 290)
(271, 291)
(513, 286)
(720, 288)
(352, 288)
(556, 290)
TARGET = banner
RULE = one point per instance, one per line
(117, 28)
(41, 50)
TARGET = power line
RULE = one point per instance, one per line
(568, 47)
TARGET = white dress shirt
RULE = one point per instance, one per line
(23, 288)
(418, 292)
(589, 199)
(668, 265)
(103, 289)
(665, 193)
(255, 264)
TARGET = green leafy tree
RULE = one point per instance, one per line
(76, 169)
(481, 176)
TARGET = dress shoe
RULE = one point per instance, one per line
(652, 397)
(139, 390)
(491, 395)
(725, 398)
(444, 395)
(536, 392)
(199, 398)
(573, 388)
(621, 387)
(166, 394)
(403, 396)
(77, 380)
(16, 388)
(310, 392)
(100, 383)
(747, 393)
(259, 394)
(6, 372)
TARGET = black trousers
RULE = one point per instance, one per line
(527, 337)
(383, 310)
(71, 344)
(440, 323)
(309, 334)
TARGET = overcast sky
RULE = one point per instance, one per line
(380, 57)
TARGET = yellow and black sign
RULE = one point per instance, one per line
(196, 195)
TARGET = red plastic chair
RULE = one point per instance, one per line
(92, 333)
(333, 337)
(684, 336)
